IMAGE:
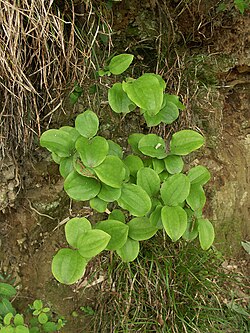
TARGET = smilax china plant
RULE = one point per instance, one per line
(143, 192)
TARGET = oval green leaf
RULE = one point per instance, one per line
(206, 233)
(174, 220)
(185, 141)
(87, 124)
(196, 198)
(117, 215)
(174, 164)
(146, 92)
(120, 63)
(7, 290)
(109, 194)
(115, 149)
(66, 166)
(81, 188)
(118, 99)
(141, 229)
(133, 140)
(192, 226)
(149, 180)
(92, 152)
(21, 329)
(134, 163)
(99, 205)
(129, 251)
(152, 145)
(118, 232)
(76, 227)
(58, 142)
(175, 189)
(68, 266)
(155, 217)
(134, 199)
(111, 171)
(199, 175)
(92, 242)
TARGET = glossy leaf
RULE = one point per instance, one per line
(185, 141)
(158, 165)
(149, 180)
(92, 242)
(87, 124)
(152, 145)
(141, 229)
(118, 215)
(134, 163)
(58, 142)
(74, 134)
(172, 99)
(196, 198)
(92, 152)
(120, 63)
(66, 166)
(199, 175)
(111, 171)
(118, 232)
(98, 204)
(129, 251)
(155, 217)
(174, 220)
(115, 149)
(175, 189)
(134, 199)
(76, 227)
(82, 169)
(81, 188)
(146, 92)
(118, 100)
(109, 194)
(68, 266)
(174, 164)
(206, 233)
(166, 115)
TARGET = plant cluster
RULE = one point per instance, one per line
(41, 320)
(143, 192)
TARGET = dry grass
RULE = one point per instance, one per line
(42, 53)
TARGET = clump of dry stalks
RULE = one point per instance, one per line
(45, 46)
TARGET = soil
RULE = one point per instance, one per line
(32, 201)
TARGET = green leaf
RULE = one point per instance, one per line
(21, 329)
(134, 163)
(76, 227)
(68, 266)
(115, 149)
(58, 142)
(87, 124)
(43, 318)
(192, 226)
(159, 78)
(109, 194)
(129, 251)
(173, 99)
(66, 166)
(97, 204)
(149, 180)
(7, 290)
(155, 217)
(120, 63)
(118, 100)
(185, 141)
(118, 215)
(174, 220)
(7, 318)
(56, 158)
(175, 189)
(50, 327)
(81, 188)
(199, 175)
(111, 171)
(246, 246)
(152, 145)
(80, 168)
(6, 307)
(92, 152)
(164, 175)
(92, 242)
(134, 199)
(196, 198)
(133, 140)
(118, 232)
(206, 233)
(73, 133)
(158, 165)
(146, 92)
(174, 164)
(38, 304)
(166, 115)
(141, 229)
(18, 319)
